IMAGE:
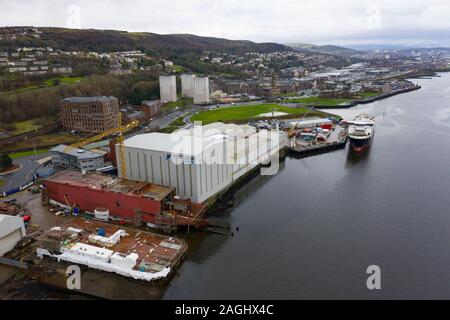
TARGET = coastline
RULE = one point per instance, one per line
(370, 100)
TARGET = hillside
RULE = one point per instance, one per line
(327, 49)
(111, 40)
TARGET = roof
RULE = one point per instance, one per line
(189, 142)
(79, 153)
(98, 181)
(165, 142)
(136, 115)
(310, 122)
(89, 99)
(9, 224)
(150, 102)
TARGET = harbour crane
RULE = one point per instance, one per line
(119, 131)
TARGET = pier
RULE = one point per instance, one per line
(336, 138)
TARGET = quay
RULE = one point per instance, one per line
(316, 136)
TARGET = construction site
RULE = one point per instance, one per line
(131, 202)
(130, 253)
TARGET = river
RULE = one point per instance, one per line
(312, 230)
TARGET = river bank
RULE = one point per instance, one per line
(371, 99)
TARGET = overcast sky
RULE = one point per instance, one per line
(343, 22)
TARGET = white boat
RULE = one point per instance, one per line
(361, 131)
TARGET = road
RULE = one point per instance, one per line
(24, 175)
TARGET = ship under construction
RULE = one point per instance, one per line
(132, 202)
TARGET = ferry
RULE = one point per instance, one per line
(361, 132)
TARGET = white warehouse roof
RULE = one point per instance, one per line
(165, 142)
(189, 142)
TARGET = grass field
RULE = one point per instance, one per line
(2, 182)
(62, 80)
(24, 126)
(246, 113)
(172, 105)
(319, 101)
(22, 154)
(174, 125)
(366, 95)
(178, 68)
(42, 142)
(45, 84)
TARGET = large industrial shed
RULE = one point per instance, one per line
(198, 163)
(12, 230)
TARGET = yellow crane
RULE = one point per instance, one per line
(119, 131)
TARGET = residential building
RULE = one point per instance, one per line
(151, 108)
(168, 88)
(187, 85)
(66, 157)
(201, 90)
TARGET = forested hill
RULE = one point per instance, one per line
(110, 40)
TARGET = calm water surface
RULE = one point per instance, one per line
(312, 230)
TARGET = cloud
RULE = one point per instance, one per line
(317, 21)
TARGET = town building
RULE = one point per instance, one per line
(151, 108)
(62, 69)
(199, 162)
(201, 90)
(90, 114)
(168, 88)
(66, 157)
(187, 85)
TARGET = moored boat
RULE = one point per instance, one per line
(361, 131)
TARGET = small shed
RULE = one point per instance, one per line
(12, 230)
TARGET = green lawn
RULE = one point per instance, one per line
(22, 154)
(178, 122)
(366, 95)
(24, 126)
(179, 103)
(45, 84)
(64, 80)
(174, 125)
(2, 182)
(177, 68)
(246, 113)
(319, 101)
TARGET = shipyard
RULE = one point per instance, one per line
(163, 161)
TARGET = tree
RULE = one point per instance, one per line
(5, 161)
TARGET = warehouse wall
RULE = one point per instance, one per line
(197, 182)
(203, 179)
